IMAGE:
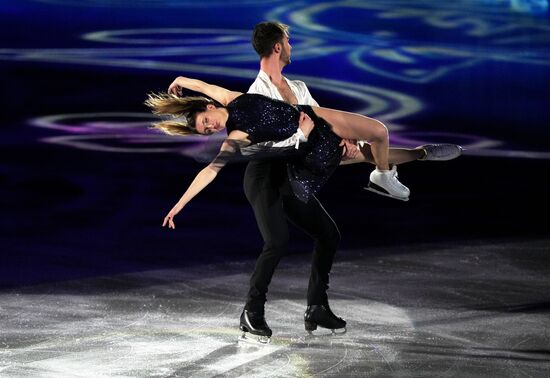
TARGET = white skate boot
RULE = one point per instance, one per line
(386, 183)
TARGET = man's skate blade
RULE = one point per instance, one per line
(248, 339)
(325, 332)
(373, 189)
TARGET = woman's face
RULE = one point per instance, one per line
(210, 121)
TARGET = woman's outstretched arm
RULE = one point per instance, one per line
(203, 178)
(222, 95)
(201, 181)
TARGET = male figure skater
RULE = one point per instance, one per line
(266, 189)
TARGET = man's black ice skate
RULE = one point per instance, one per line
(322, 316)
(254, 327)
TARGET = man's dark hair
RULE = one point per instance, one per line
(266, 34)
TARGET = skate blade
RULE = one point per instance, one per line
(325, 332)
(371, 189)
(246, 339)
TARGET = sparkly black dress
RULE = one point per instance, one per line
(265, 119)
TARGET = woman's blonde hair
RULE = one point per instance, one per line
(183, 112)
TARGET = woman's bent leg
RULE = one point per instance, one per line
(358, 127)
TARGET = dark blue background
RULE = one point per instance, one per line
(68, 211)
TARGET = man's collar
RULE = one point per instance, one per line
(264, 76)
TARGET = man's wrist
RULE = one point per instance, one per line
(301, 136)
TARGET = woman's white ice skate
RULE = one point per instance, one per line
(385, 182)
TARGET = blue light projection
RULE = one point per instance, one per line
(381, 58)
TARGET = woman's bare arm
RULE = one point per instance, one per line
(222, 95)
(202, 179)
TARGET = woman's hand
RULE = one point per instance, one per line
(306, 124)
(202, 179)
(169, 219)
(177, 86)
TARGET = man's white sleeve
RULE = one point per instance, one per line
(295, 140)
(273, 146)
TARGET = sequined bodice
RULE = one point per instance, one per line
(262, 118)
(265, 119)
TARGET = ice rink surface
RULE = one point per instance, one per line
(477, 309)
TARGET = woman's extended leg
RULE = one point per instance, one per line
(399, 155)
(395, 155)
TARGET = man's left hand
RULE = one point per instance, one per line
(350, 148)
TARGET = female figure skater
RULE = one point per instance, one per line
(255, 120)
